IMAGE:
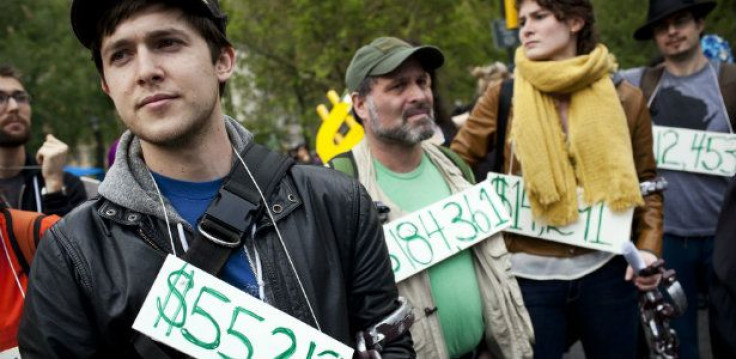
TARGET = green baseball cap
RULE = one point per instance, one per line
(384, 55)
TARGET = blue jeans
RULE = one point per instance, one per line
(692, 260)
(600, 309)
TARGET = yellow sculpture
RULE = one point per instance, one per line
(330, 140)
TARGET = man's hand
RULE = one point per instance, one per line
(52, 158)
(644, 283)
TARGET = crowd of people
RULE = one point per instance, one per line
(188, 181)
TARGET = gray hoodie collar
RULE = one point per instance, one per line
(128, 183)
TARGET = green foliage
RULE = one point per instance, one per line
(37, 39)
(618, 19)
(290, 53)
(304, 47)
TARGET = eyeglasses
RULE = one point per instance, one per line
(679, 22)
(21, 97)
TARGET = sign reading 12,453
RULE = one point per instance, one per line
(679, 149)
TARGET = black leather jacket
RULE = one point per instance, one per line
(93, 270)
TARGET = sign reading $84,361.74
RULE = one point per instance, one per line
(425, 237)
(202, 316)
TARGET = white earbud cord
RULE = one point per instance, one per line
(10, 263)
(166, 215)
(281, 240)
(37, 192)
(255, 266)
(182, 237)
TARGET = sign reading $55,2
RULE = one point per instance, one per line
(202, 316)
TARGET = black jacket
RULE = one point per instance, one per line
(93, 269)
(59, 203)
(724, 243)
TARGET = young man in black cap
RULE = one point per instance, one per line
(687, 91)
(308, 243)
(466, 305)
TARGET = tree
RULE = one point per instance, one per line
(304, 47)
(291, 52)
(57, 71)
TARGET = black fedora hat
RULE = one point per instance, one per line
(86, 13)
(661, 9)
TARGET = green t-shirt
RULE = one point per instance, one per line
(453, 282)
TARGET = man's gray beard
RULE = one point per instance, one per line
(404, 133)
(12, 141)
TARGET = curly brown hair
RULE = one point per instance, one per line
(565, 9)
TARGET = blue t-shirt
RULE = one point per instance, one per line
(190, 199)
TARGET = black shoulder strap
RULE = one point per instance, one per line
(504, 106)
(459, 163)
(649, 79)
(14, 241)
(237, 206)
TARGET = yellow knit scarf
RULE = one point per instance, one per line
(598, 142)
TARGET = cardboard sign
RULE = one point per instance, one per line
(426, 237)
(12, 353)
(712, 153)
(597, 226)
(202, 316)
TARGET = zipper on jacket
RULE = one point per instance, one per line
(148, 239)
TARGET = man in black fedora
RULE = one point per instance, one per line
(686, 90)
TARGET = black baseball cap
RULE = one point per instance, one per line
(384, 55)
(86, 13)
(662, 9)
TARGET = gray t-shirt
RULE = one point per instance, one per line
(692, 201)
(10, 190)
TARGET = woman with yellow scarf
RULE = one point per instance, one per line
(572, 125)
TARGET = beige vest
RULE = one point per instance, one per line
(508, 332)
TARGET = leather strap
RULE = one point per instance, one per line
(504, 106)
(236, 208)
(649, 79)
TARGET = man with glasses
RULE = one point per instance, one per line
(686, 90)
(34, 183)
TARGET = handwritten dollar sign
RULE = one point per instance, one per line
(180, 307)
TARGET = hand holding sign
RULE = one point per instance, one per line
(223, 322)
